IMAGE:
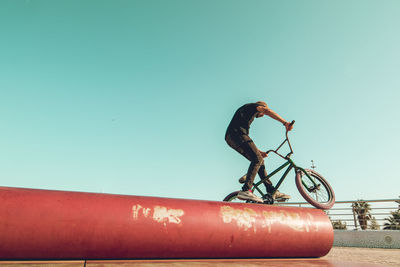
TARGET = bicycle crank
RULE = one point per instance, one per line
(268, 199)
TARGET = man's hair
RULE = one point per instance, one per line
(262, 103)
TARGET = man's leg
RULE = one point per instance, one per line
(249, 150)
(245, 146)
(263, 174)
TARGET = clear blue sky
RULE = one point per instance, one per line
(133, 97)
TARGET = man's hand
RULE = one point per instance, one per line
(288, 126)
(263, 154)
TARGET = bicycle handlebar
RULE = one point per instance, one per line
(291, 124)
(286, 140)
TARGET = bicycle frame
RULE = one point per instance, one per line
(290, 165)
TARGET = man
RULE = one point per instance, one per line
(237, 137)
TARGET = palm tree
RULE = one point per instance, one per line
(362, 209)
(394, 220)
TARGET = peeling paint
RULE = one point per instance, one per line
(281, 217)
(246, 218)
(290, 219)
(146, 212)
(162, 214)
(158, 213)
(135, 210)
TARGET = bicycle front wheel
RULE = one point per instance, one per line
(315, 189)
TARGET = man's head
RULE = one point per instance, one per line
(262, 103)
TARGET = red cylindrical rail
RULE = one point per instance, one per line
(45, 224)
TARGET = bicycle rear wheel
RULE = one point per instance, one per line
(320, 196)
(233, 197)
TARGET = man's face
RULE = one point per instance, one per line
(260, 114)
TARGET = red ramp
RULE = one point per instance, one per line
(45, 224)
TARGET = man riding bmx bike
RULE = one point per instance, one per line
(237, 137)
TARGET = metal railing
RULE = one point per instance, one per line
(344, 215)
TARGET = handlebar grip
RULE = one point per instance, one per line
(293, 121)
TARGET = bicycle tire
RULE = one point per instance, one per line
(307, 195)
(232, 197)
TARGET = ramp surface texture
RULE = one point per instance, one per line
(44, 224)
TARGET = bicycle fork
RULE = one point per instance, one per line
(314, 187)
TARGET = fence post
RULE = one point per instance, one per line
(354, 216)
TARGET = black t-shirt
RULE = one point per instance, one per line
(242, 119)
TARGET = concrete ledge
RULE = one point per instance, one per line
(367, 239)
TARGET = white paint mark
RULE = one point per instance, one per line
(135, 210)
(162, 214)
(290, 219)
(244, 218)
(158, 213)
(146, 212)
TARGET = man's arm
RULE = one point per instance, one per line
(269, 112)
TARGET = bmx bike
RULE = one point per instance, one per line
(312, 186)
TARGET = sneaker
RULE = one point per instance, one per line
(280, 196)
(248, 195)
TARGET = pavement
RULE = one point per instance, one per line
(337, 257)
(385, 257)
